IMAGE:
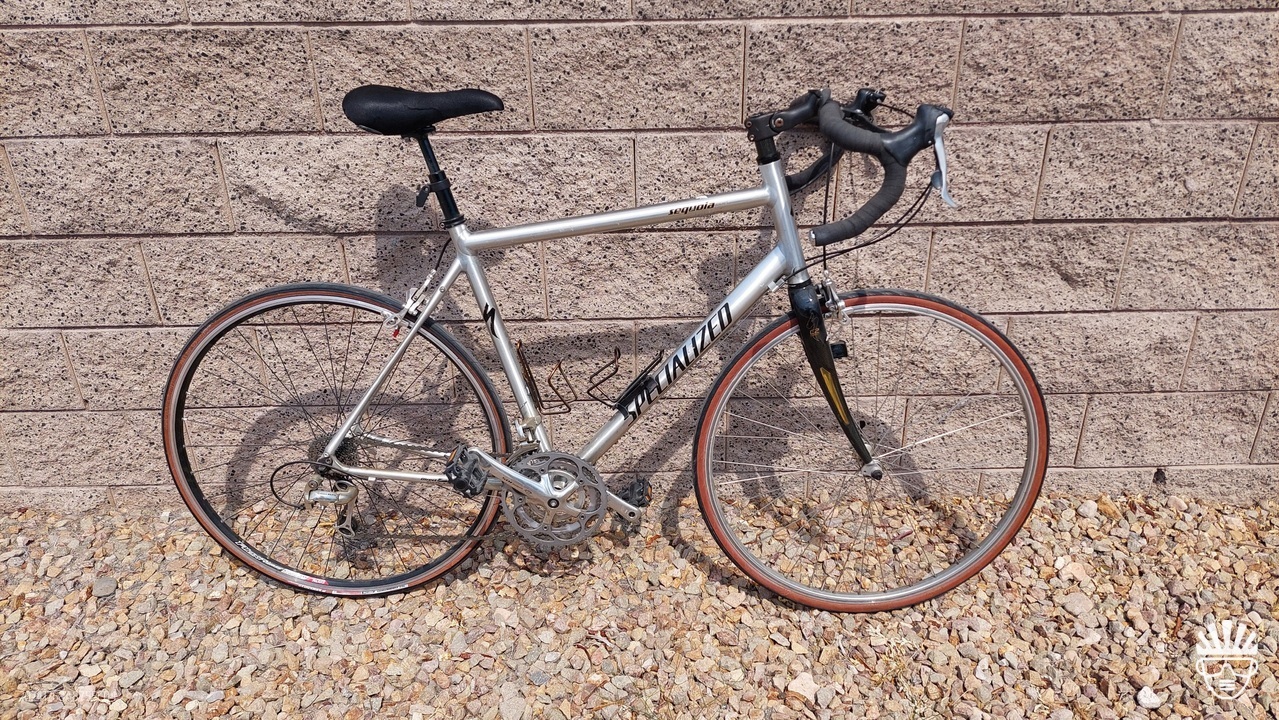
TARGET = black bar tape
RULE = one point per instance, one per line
(850, 137)
(830, 118)
(883, 201)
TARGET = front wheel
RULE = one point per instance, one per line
(255, 397)
(947, 406)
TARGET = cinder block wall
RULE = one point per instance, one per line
(1118, 165)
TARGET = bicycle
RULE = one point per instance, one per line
(341, 442)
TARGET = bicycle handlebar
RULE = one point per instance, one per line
(893, 150)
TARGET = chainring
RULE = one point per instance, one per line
(574, 518)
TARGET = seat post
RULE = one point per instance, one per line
(439, 182)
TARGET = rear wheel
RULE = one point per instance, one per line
(254, 398)
(947, 406)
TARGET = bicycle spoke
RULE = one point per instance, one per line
(904, 448)
(791, 503)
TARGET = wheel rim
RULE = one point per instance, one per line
(243, 466)
(767, 549)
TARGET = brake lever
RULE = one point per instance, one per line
(939, 179)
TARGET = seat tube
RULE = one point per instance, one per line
(492, 321)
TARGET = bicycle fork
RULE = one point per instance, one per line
(806, 303)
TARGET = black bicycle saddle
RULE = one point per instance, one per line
(396, 111)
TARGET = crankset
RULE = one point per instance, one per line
(575, 513)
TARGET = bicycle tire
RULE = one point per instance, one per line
(948, 503)
(259, 389)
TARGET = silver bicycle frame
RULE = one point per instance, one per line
(784, 263)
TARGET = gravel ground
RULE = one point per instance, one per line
(138, 615)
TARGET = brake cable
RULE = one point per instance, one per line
(830, 171)
(897, 225)
(901, 222)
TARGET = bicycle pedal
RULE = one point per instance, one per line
(639, 493)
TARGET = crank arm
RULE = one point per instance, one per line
(627, 511)
(538, 489)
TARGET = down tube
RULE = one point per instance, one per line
(767, 274)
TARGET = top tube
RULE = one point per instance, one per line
(612, 220)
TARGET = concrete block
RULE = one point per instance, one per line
(1109, 352)
(1235, 485)
(75, 283)
(99, 12)
(1234, 351)
(78, 448)
(346, 184)
(1028, 268)
(1143, 170)
(951, 7)
(1226, 66)
(11, 219)
(1260, 194)
(76, 500)
(11, 474)
(1201, 267)
(1091, 483)
(34, 374)
(665, 337)
(521, 10)
(203, 11)
(1239, 485)
(646, 275)
(130, 185)
(363, 183)
(1267, 441)
(396, 264)
(1091, 6)
(985, 432)
(476, 339)
(1065, 419)
(193, 278)
(580, 347)
(1170, 429)
(502, 181)
(655, 9)
(152, 499)
(1064, 68)
(428, 59)
(636, 76)
(677, 166)
(48, 89)
(124, 369)
(993, 174)
(784, 60)
(195, 81)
